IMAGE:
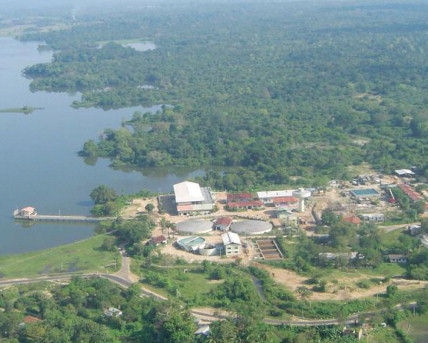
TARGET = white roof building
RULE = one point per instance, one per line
(203, 330)
(230, 238)
(188, 192)
(402, 172)
(275, 194)
(113, 312)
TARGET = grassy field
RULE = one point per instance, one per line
(382, 335)
(82, 256)
(188, 283)
(416, 327)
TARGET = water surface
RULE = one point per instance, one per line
(39, 162)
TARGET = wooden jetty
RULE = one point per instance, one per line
(29, 213)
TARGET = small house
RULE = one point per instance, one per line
(397, 258)
(113, 312)
(158, 240)
(373, 217)
(353, 220)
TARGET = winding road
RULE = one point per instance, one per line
(125, 278)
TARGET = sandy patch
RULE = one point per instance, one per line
(345, 289)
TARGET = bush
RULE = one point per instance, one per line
(365, 284)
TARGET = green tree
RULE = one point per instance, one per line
(149, 207)
(175, 324)
(103, 194)
(391, 291)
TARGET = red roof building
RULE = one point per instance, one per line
(353, 220)
(223, 223)
(158, 240)
(410, 192)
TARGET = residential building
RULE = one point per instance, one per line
(158, 240)
(411, 192)
(373, 217)
(353, 220)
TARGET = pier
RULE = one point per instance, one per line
(29, 213)
(70, 219)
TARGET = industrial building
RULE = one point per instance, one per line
(191, 199)
(269, 196)
(232, 244)
(243, 201)
(191, 244)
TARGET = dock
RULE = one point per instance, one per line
(69, 219)
(30, 214)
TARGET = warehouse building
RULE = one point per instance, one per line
(191, 199)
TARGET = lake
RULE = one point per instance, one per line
(39, 162)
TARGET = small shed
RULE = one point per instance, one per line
(203, 330)
(223, 224)
(158, 240)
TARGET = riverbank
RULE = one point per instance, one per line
(82, 256)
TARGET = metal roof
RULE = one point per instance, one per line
(404, 172)
(188, 192)
(275, 194)
(230, 238)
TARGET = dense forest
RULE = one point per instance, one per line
(276, 93)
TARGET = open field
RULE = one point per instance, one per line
(82, 256)
(416, 327)
(344, 287)
(187, 281)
